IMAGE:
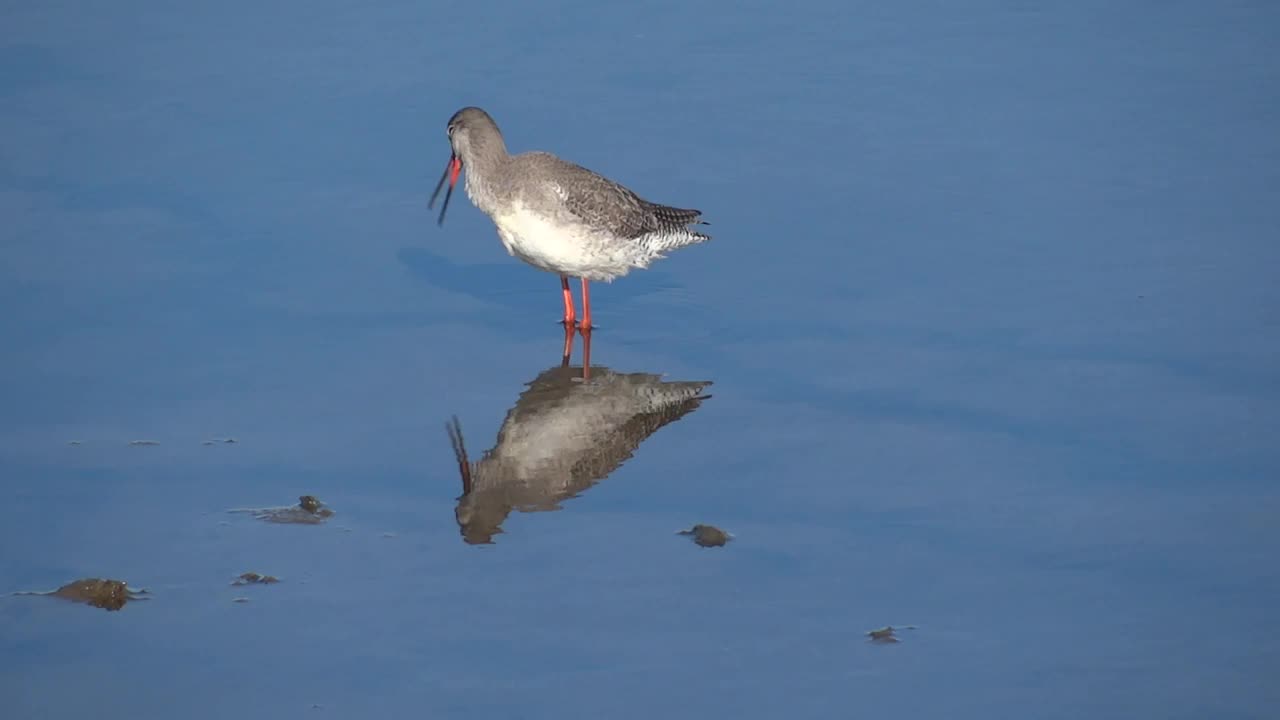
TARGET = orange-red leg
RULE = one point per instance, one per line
(569, 314)
(586, 307)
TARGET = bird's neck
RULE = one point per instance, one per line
(484, 172)
(486, 154)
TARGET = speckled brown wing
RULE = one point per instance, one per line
(603, 203)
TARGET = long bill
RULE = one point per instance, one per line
(460, 452)
(451, 172)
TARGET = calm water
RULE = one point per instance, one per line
(990, 315)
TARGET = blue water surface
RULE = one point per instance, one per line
(990, 313)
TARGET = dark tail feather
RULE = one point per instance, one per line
(676, 217)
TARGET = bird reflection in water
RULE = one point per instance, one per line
(563, 435)
(569, 332)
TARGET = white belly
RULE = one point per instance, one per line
(566, 249)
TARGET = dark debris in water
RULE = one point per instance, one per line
(887, 635)
(106, 594)
(253, 578)
(308, 511)
(143, 443)
(707, 535)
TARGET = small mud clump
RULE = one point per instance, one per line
(253, 578)
(887, 635)
(308, 511)
(707, 535)
(106, 594)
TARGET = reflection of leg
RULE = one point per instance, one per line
(586, 354)
(586, 306)
(568, 343)
(569, 314)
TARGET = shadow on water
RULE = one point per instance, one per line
(564, 434)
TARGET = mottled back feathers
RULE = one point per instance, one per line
(601, 202)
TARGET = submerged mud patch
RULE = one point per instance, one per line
(707, 535)
(106, 594)
(308, 511)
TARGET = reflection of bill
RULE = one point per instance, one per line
(562, 436)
